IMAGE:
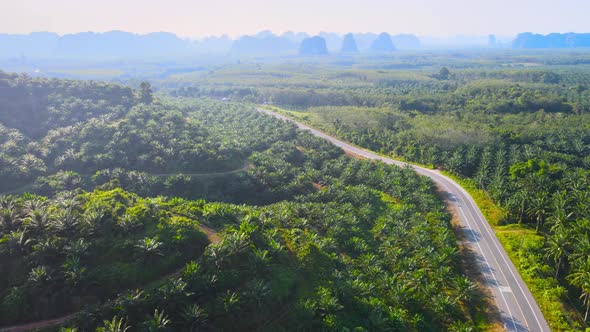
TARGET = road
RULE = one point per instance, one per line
(518, 309)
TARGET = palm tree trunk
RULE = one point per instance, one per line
(557, 267)
(587, 307)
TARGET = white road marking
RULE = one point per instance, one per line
(505, 289)
(478, 219)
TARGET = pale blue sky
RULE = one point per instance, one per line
(195, 18)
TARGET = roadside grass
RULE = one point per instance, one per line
(522, 244)
(525, 249)
(482, 318)
(495, 215)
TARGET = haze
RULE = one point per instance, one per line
(199, 18)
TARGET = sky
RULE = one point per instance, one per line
(199, 18)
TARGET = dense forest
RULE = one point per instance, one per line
(137, 211)
(522, 135)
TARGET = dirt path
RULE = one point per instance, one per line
(211, 235)
(39, 324)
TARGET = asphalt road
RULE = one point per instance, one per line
(519, 310)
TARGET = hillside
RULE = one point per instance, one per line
(316, 239)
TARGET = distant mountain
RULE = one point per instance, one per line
(121, 44)
(212, 45)
(295, 37)
(553, 40)
(364, 40)
(126, 45)
(313, 46)
(349, 44)
(37, 43)
(333, 40)
(382, 44)
(262, 44)
(406, 42)
(91, 45)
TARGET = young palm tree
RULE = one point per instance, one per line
(538, 208)
(78, 248)
(38, 221)
(465, 289)
(10, 219)
(127, 224)
(7, 202)
(195, 317)
(114, 325)
(149, 247)
(74, 272)
(35, 204)
(158, 322)
(557, 248)
(17, 243)
(39, 275)
(66, 223)
(580, 277)
(94, 222)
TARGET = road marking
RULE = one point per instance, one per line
(478, 218)
(505, 289)
(484, 257)
(494, 240)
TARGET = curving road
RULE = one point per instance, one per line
(519, 310)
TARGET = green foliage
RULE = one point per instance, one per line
(80, 255)
(518, 139)
(315, 241)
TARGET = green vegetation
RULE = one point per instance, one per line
(304, 238)
(518, 139)
(300, 237)
(61, 254)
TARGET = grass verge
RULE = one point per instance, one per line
(523, 245)
(525, 248)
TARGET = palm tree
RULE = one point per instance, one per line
(48, 250)
(174, 291)
(114, 325)
(66, 223)
(10, 219)
(17, 242)
(128, 224)
(74, 272)
(580, 277)
(93, 221)
(78, 248)
(538, 208)
(459, 326)
(39, 275)
(557, 247)
(236, 243)
(258, 292)
(7, 202)
(581, 247)
(35, 204)
(195, 316)
(149, 247)
(465, 289)
(259, 260)
(230, 301)
(158, 322)
(38, 221)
